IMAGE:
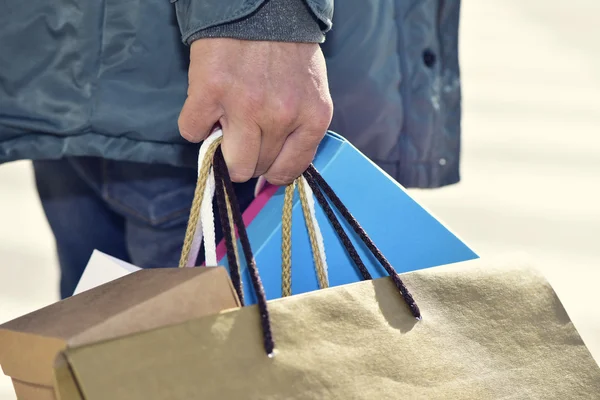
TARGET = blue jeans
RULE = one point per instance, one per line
(135, 212)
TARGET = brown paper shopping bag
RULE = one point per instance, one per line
(143, 300)
(487, 332)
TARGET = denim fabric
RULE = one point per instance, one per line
(132, 211)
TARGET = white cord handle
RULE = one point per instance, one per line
(206, 222)
(318, 234)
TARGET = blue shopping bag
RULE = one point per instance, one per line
(407, 234)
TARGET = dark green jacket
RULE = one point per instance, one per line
(108, 77)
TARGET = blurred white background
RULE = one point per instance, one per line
(531, 166)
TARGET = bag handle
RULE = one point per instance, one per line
(205, 227)
(195, 227)
(231, 218)
(225, 190)
(317, 183)
(320, 188)
(225, 208)
(314, 235)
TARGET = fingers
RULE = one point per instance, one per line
(301, 146)
(254, 134)
(296, 155)
(271, 99)
(279, 121)
(241, 147)
(256, 144)
(198, 117)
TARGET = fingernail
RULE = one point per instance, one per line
(260, 184)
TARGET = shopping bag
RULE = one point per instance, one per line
(407, 233)
(139, 301)
(474, 330)
(410, 236)
(488, 332)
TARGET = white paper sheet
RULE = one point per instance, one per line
(102, 269)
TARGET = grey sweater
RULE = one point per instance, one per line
(276, 20)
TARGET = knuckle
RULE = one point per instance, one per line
(323, 115)
(287, 111)
(287, 115)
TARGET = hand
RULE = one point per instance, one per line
(272, 101)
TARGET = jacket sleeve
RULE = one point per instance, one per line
(274, 20)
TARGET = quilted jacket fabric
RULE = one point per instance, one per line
(108, 78)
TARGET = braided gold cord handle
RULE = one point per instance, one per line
(286, 242)
(286, 238)
(196, 203)
(312, 235)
